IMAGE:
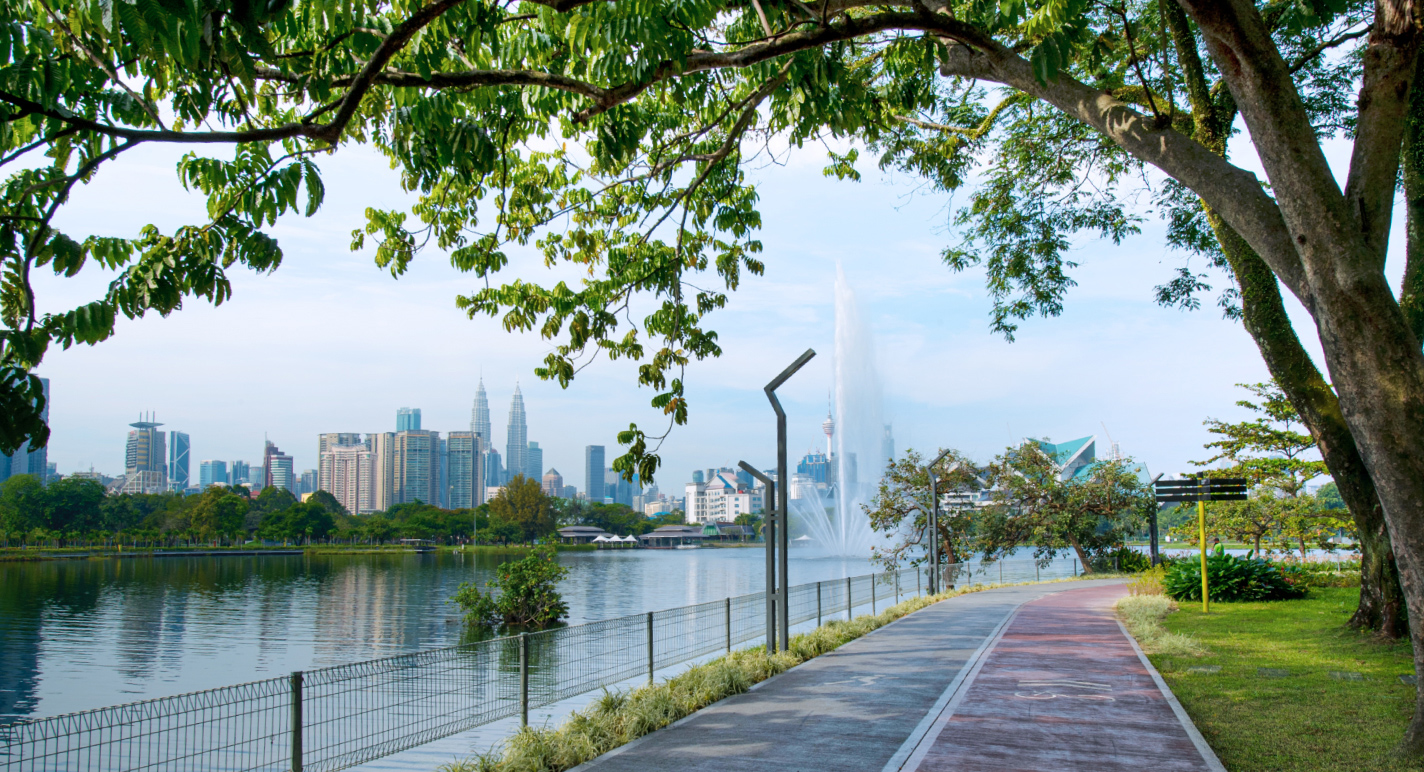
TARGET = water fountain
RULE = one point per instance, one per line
(833, 517)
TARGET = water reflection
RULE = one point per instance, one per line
(83, 634)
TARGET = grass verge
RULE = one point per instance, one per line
(619, 717)
(1143, 616)
(1307, 720)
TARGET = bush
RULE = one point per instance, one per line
(1331, 574)
(528, 594)
(1233, 578)
(1122, 559)
(1147, 582)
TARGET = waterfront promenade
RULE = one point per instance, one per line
(1037, 677)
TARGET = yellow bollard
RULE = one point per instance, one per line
(1201, 530)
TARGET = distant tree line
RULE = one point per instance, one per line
(77, 512)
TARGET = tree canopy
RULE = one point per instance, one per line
(613, 137)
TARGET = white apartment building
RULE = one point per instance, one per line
(348, 473)
(721, 500)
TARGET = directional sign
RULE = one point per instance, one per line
(1202, 489)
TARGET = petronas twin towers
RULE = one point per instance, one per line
(516, 459)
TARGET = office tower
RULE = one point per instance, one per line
(178, 446)
(465, 451)
(212, 472)
(348, 472)
(593, 472)
(444, 468)
(620, 490)
(534, 462)
(27, 459)
(494, 469)
(238, 475)
(256, 477)
(278, 468)
(332, 439)
(307, 483)
(383, 475)
(480, 416)
(570, 492)
(553, 483)
(145, 459)
(517, 444)
(417, 467)
(408, 419)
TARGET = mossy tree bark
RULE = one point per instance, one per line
(1264, 316)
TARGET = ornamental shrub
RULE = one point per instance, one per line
(1232, 578)
(528, 594)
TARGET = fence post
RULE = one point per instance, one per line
(848, 603)
(1075, 566)
(650, 647)
(1001, 572)
(1037, 569)
(872, 594)
(818, 604)
(729, 625)
(524, 679)
(297, 721)
(897, 586)
(917, 581)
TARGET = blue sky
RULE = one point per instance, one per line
(329, 342)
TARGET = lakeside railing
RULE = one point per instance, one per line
(338, 717)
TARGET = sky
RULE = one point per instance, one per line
(329, 342)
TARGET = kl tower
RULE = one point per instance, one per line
(829, 427)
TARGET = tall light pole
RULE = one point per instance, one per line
(934, 523)
(783, 490)
(769, 516)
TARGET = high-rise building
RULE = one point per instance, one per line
(570, 492)
(553, 483)
(480, 415)
(212, 472)
(444, 467)
(347, 472)
(383, 475)
(307, 483)
(466, 469)
(27, 459)
(495, 476)
(417, 467)
(239, 474)
(408, 419)
(256, 477)
(593, 473)
(517, 444)
(178, 447)
(278, 468)
(145, 459)
(332, 439)
(534, 462)
(619, 490)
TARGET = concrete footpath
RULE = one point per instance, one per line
(1038, 677)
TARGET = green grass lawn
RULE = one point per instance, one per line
(1306, 720)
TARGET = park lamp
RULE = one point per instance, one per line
(768, 535)
(783, 490)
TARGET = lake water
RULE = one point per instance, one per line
(82, 634)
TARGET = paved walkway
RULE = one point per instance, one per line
(1018, 678)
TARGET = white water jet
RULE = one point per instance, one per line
(833, 518)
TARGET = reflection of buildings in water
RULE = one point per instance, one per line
(19, 652)
(371, 610)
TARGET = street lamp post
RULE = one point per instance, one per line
(934, 523)
(769, 514)
(783, 490)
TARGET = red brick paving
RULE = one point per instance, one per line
(1062, 690)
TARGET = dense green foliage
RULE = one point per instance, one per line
(1233, 578)
(528, 595)
(76, 512)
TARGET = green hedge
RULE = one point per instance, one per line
(1232, 578)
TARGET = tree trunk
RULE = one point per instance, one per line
(1264, 316)
(1082, 556)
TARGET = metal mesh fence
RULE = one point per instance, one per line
(338, 717)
